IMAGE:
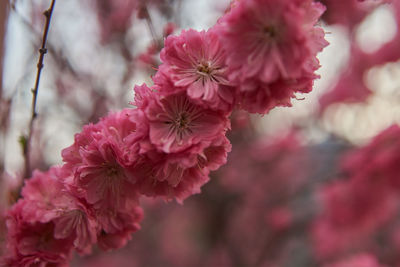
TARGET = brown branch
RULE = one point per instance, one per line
(42, 51)
(3, 20)
(4, 104)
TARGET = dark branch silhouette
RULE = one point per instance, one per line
(26, 143)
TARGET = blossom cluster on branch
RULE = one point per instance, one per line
(258, 55)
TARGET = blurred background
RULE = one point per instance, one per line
(267, 205)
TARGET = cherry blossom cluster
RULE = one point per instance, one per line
(258, 55)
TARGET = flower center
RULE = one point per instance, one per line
(112, 171)
(204, 68)
(45, 238)
(183, 120)
(269, 31)
(181, 123)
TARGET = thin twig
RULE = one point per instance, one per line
(178, 13)
(5, 103)
(42, 52)
(146, 15)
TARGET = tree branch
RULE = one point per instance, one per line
(3, 21)
(42, 51)
(144, 14)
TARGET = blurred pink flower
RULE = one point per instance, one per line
(178, 241)
(355, 209)
(351, 86)
(280, 218)
(108, 260)
(378, 161)
(359, 260)
(265, 175)
(348, 13)
(114, 17)
(352, 213)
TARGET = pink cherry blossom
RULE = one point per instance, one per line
(117, 226)
(177, 145)
(170, 180)
(119, 125)
(101, 170)
(195, 63)
(48, 200)
(102, 164)
(115, 127)
(176, 123)
(271, 50)
(32, 243)
(103, 176)
(142, 96)
(177, 174)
